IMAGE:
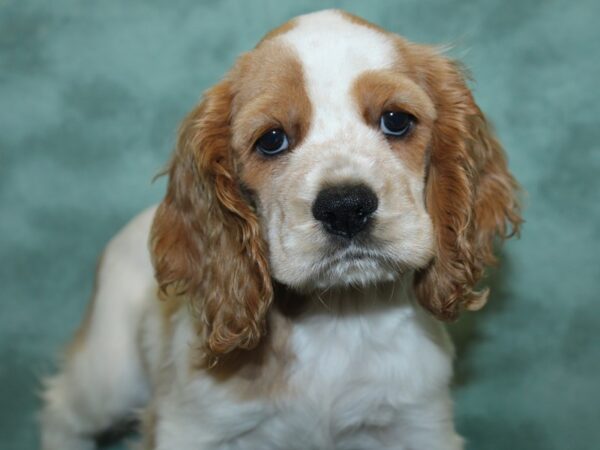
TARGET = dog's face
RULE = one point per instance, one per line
(332, 154)
(331, 136)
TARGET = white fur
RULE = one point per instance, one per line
(370, 370)
(103, 380)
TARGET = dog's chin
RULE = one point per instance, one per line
(350, 269)
(355, 273)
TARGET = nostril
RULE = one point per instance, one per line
(367, 203)
(345, 210)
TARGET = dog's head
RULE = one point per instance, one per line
(332, 154)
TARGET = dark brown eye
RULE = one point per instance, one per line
(272, 142)
(396, 123)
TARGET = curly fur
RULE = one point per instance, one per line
(471, 195)
(218, 263)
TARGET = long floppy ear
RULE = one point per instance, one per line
(471, 196)
(206, 241)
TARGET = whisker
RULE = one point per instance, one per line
(323, 302)
(392, 293)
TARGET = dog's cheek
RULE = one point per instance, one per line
(275, 227)
(286, 224)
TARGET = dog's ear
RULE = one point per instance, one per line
(206, 239)
(471, 196)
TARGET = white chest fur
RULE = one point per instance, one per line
(363, 370)
(362, 364)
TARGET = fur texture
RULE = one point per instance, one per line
(247, 325)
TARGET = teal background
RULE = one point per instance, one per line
(91, 94)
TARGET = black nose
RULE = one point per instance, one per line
(345, 210)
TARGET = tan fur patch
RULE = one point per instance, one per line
(385, 90)
(261, 372)
(271, 93)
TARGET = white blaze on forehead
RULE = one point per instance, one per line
(333, 52)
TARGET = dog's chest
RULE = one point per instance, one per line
(353, 375)
(348, 385)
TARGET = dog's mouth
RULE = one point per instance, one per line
(352, 253)
(355, 265)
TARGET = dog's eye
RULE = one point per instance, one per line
(272, 142)
(396, 123)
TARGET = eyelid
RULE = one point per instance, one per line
(261, 130)
(401, 107)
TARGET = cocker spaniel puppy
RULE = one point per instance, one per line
(330, 199)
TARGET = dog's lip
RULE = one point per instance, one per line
(352, 253)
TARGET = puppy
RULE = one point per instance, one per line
(330, 199)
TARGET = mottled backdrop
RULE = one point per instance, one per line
(90, 97)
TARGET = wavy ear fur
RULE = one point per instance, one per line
(206, 242)
(471, 196)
